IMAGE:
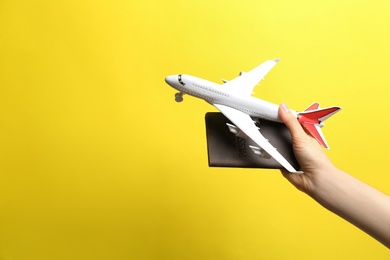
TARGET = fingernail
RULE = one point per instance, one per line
(285, 108)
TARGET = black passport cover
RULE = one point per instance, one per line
(227, 150)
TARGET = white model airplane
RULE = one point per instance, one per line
(234, 100)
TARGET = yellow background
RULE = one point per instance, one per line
(97, 161)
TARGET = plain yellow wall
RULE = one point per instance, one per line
(97, 161)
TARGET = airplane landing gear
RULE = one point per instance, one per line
(179, 97)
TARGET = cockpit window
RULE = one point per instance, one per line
(179, 79)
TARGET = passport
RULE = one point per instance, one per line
(225, 149)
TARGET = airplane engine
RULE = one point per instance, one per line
(260, 152)
(236, 131)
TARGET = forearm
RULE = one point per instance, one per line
(355, 201)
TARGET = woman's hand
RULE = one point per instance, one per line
(308, 152)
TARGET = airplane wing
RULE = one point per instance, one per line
(245, 83)
(246, 124)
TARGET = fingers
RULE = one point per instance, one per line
(290, 121)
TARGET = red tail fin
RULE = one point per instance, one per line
(312, 120)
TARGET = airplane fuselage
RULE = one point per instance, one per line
(214, 93)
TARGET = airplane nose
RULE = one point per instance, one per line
(170, 80)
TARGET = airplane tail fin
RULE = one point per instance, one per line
(312, 119)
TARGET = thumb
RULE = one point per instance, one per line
(290, 120)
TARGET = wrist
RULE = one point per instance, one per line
(322, 179)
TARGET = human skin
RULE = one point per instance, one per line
(337, 191)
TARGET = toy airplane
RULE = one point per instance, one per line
(234, 100)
